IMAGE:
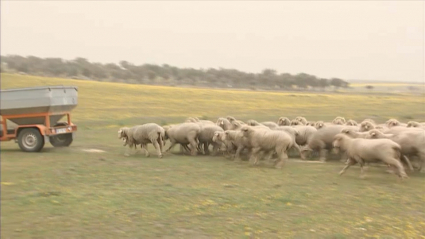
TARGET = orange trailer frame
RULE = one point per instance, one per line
(46, 129)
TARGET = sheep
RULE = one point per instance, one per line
(304, 133)
(283, 121)
(224, 123)
(123, 134)
(206, 138)
(365, 135)
(235, 137)
(366, 126)
(393, 122)
(339, 120)
(369, 120)
(414, 124)
(354, 133)
(270, 124)
(289, 129)
(400, 129)
(267, 140)
(183, 134)
(233, 119)
(310, 123)
(236, 125)
(320, 124)
(143, 135)
(254, 123)
(196, 120)
(301, 119)
(322, 139)
(191, 120)
(296, 122)
(351, 122)
(293, 133)
(360, 151)
(220, 138)
(412, 143)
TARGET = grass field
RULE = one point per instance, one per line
(71, 193)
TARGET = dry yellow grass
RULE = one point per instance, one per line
(107, 102)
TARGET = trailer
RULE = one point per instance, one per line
(30, 116)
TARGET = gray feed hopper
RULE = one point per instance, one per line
(33, 100)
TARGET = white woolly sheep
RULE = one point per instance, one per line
(267, 140)
(369, 150)
(143, 135)
(183, 134)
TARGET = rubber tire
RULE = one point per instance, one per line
(61, 140)
(39, 140)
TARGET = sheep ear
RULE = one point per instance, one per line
(373, 133)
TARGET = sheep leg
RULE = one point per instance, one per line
(269, 156)
(262, 154)
(254, 155)
(396, 163)
(349, 163)
(406, 159)
(130, 147)
(160, 144)
(362, 173)
(303, 152)
(361, 162)
(215, 149)
(323, 152)
(145, 148)
(157, 148)
(238, 153)
(171, 146)
(206, 149)
(199, 148)
(421, 162)
(283, 156)
(222, 147)
(186, 148)
(298, 148)
(193, 145)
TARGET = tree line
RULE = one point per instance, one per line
(81, 68)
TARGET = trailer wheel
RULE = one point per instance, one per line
(30, 140)
(61, 140)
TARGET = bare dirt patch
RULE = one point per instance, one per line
(94, 150)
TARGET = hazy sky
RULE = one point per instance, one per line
(381, 40)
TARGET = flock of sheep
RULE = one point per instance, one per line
(393, 143)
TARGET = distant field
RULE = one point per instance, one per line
(385, 84)
(119, 103)
(388, 87)
(71, 193)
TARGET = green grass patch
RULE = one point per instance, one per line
(71, 193)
